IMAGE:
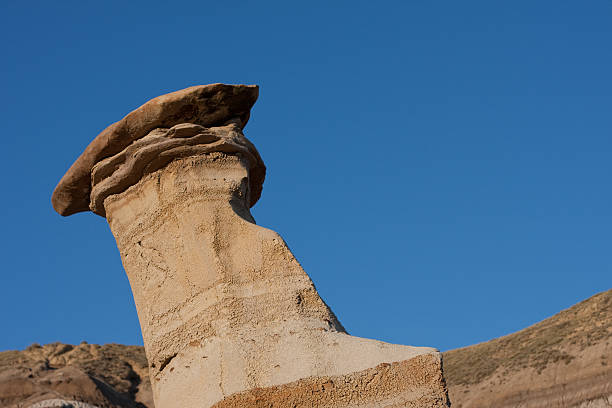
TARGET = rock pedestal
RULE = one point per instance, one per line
(229, 318)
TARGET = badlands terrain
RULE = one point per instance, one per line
(563, 361)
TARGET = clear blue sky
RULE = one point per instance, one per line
(440, 168)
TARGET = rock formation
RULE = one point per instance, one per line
(564, 361)
(82, 376)
(229, 318)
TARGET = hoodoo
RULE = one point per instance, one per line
(228, 316)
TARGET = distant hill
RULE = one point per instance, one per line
(83, 376)
(563, 361)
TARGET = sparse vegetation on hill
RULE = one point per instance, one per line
(549, 341)
(561, 362)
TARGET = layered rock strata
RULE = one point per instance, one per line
(229, 318)
(207, 105)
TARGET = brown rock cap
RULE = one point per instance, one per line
(205, 105)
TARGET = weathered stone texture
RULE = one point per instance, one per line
(413, 383)
(86, 375)
(228, 315)
(205, 105)
(224, 306)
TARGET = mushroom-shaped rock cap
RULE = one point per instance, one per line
(205, 105)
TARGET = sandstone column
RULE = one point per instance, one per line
(229, 318)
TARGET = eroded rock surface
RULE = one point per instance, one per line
(205, 105)
(239, 313)
(87, 375)
(228, 315)
(161, 146)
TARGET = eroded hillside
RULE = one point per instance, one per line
(563, 361)
(62, 375)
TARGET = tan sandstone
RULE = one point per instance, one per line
(229, 317)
